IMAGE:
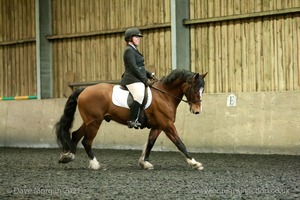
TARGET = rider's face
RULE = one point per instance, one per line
(136, 40)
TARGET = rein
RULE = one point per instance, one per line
(185, 101)
(169, 94)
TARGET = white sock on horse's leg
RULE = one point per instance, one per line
(194, 164)
(142, 163)
(94, 164)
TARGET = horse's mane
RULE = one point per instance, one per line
(177, 74)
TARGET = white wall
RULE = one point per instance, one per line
(263, 123)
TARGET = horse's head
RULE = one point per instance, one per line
(193, 90)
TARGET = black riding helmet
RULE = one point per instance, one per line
(132, 32)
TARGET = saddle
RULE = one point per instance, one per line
(122, 97)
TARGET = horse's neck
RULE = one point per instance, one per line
(175, 89)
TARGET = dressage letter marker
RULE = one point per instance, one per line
(231, 100)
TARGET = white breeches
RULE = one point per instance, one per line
(137, 90)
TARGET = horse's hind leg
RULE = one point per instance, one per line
(76, 137)
(87, 142)
(78, 134)
(144, 159)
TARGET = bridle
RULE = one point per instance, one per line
(188, 95)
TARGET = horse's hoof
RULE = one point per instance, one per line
(66, 157)
(194, 164)
(146, 165)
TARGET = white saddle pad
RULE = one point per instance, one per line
(120, 96)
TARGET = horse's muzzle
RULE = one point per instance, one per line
(195, 109)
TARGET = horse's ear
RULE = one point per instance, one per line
(196, 76)
(203, 75)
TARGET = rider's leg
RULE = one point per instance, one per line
(137, 90)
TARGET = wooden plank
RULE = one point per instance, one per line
(104, 62)
(1, 22)
(211, 19)
(106, 32)
(2, 74)
(60, 17)
(150, 55)
(218, 48)
(20, 41)
(193, 49)
(13, 49)
(119, 59)
(224, 46)
(31, 70)
(238, 49)
(78, 59)
(245, 84)
(54, 67)
(193, 37)
(211, 56)
(285, 64)
(78, 17)
(265, 70)
(275, 58)
(272, 52)
(2, 80)
(217, 8)
(87, 14)
(231, 49)
(24, 70)
(31, 67)
(92, 59)
(218, 60)
(296, 50)
(251, 49)
(258, 46)
(168, 50)
(34, 72)
(60, 66)
(13, 20)
(280, 67)
(5, 72)
(288, 53)
(27, 20)
(73, 17)
(69, 77)
(203, 44)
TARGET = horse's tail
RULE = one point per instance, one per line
(63, 126)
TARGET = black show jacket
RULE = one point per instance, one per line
(134, 67)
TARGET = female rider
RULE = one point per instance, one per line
(135, 77)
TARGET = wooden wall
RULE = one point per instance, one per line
(243, 51)
(88, 37)
(245, 45)
(17, 48)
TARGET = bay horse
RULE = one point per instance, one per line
(95, 105)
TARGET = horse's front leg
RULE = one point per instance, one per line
(144, 159)
(172, 134)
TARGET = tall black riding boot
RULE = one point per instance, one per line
(134, 114)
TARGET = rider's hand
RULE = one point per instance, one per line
(153, 76)
(150, 82)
